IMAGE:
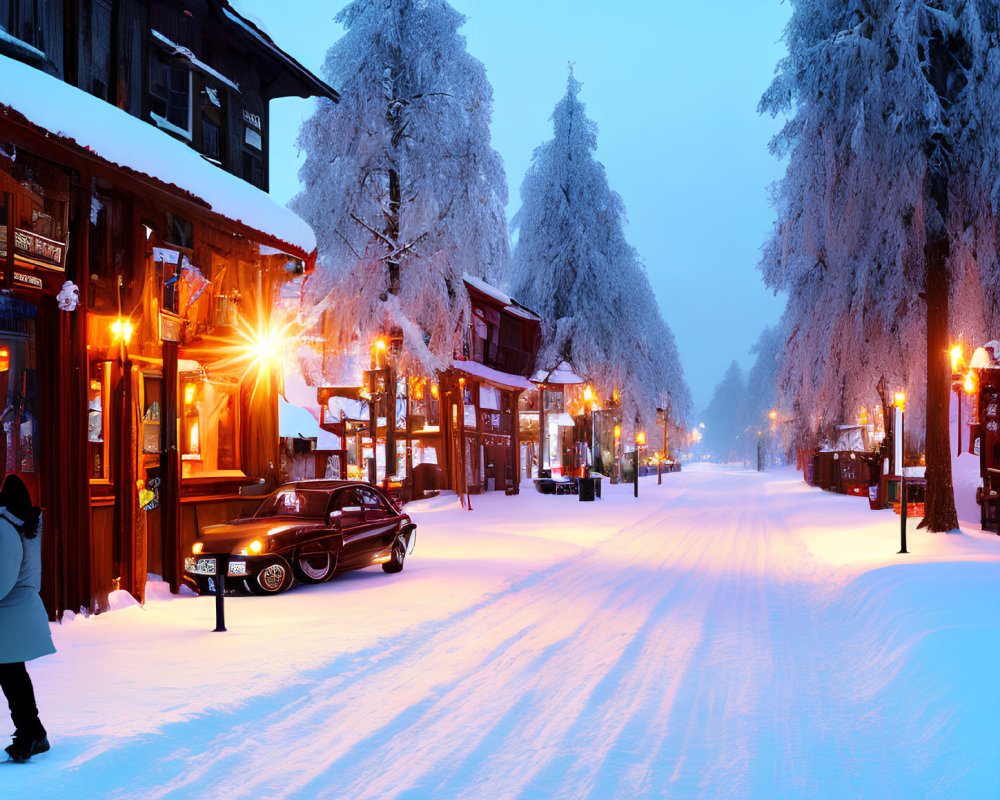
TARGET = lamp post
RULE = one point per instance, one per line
(640, 441)
(588, 408)
(900, 402)
(957, 381)
(661, 419)
(618, 453)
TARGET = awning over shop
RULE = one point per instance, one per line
(494, 376)
(562, 375)
(112, 135)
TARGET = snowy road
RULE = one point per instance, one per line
(699, 649)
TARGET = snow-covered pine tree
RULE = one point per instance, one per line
(728, 436)
(401, 184)
(893, 174)
(573, 265)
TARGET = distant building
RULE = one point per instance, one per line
(140, 262)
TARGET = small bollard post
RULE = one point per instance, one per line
(221, 571)
(635, 472)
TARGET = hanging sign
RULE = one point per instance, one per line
(38, 249)
(27, 280)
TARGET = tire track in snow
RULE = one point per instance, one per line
(689, 655)
(318, 733)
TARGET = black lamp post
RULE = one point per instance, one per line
(900, 402)
(661, 419)
(640, 441)
(957, 381)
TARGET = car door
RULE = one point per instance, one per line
(348, 516)
(381, 523)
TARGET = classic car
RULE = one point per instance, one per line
(310, 530)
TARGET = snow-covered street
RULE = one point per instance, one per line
(728, 634)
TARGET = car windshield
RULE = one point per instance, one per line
(295, 503)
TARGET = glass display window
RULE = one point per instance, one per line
(98, 396)
(209, 424)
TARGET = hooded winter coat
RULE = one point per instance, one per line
(24, 624)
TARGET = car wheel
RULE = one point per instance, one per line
(273, 577)
(314, 564)
(398, 555)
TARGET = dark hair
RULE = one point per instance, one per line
(16, 498)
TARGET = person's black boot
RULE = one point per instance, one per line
(25, 746)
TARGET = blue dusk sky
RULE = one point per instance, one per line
(673, 87)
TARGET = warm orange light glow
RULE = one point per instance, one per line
(434, 391)
(4, 359)
(256, 348)
(379, 345)
(255, 546)
(197, 547)
(588, 394)
(956, 357)
(863, 416)
(618, 431)
(970, 383)
(615, 395)
(899, 400)
(640, 438)
(122, 329)
(772, 414)
(461, 381)
(189, 390)
(194, 446)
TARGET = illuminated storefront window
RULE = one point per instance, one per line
(209, 424)
(97, 420)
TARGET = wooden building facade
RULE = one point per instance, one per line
(480, 428)
(139, 263)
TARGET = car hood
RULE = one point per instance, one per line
(232, 536)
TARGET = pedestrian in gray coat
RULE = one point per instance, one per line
(24, 624)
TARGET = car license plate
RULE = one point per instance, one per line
(237, 567)
(200, 566)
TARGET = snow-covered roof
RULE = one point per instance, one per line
(503, 379)
(563, 374)
(123, 140)
(485, 288)
(521, 311)
(253, 26)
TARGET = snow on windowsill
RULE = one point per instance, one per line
(124, 140)
(185, 53)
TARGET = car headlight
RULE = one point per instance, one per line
(197, 547)
(253, 548)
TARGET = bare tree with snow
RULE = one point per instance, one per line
(573, 265)
(888, 203)
(401, 184)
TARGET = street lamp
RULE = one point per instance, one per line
(899, 401)
(640, 441)
(618, 452)
(661, 419)
(589, 400)
(957, 381)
